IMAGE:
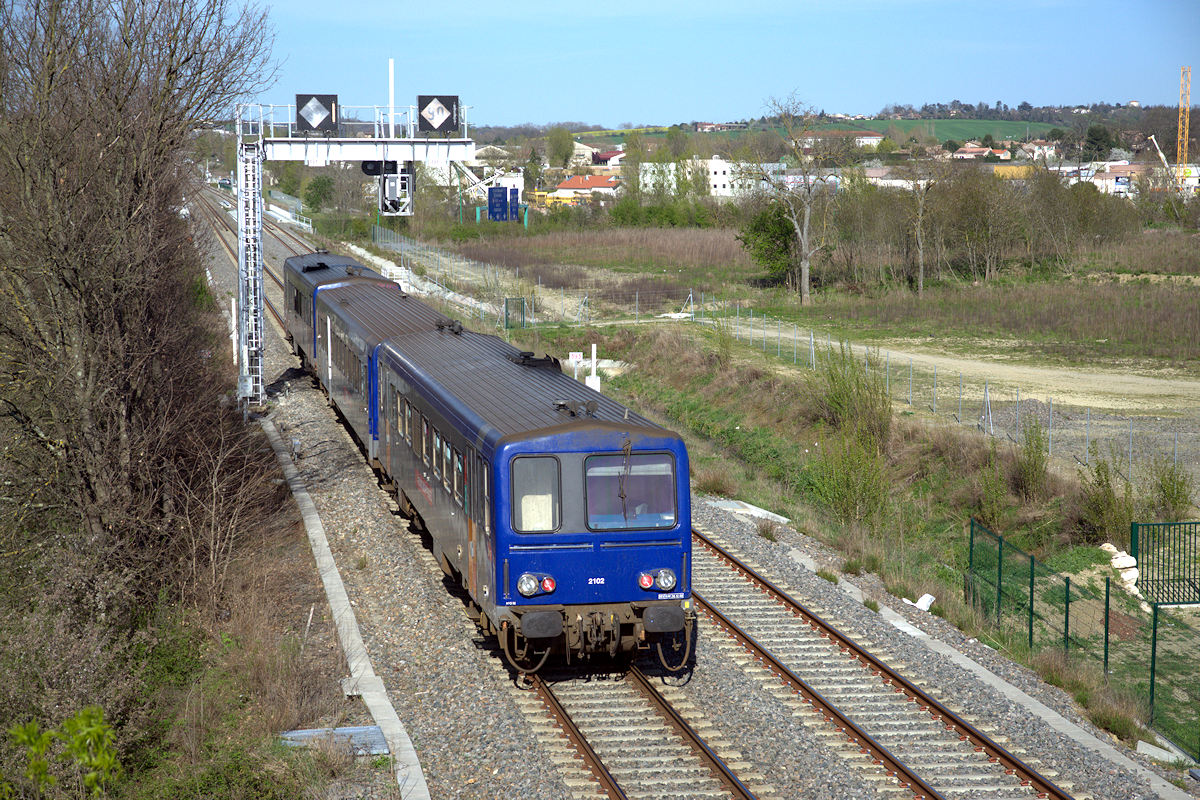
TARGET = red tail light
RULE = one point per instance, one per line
(548, 584)
(645, 580)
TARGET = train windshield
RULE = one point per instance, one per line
(630, 491)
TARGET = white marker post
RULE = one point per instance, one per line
(593, 380)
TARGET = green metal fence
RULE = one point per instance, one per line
(1168, 556)
(1149, 648)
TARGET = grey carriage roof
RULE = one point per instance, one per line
(513, 398)
(382, 310)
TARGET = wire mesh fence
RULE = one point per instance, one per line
(1152, 650)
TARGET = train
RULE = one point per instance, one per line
(564, 516)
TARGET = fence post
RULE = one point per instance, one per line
(1107, 580)
(935, 388)
(1129, 475)
(1153, 659)
(795, 337)
(1017, 431)
(812, 351)
(971, 549)
(910, 381)
(636, 306)
(1087, 441)
(1031, 564)
(1067, 617)
(778, 338)
(999, 576)
(959, 416)
(1133, 540)
(1050, 441)
(887, 375)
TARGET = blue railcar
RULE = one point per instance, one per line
(565, 517)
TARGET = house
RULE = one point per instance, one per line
(608, 158)
(965, 152)
(1040, 150)
(1119, 179)
(716, 127)
(867, 140)
(587, 186)
(582, 156)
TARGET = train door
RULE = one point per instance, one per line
(464, 476)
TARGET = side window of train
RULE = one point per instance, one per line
(425, 440)
(448, 464)
(457, 476)
(296, 300)
(437, 453)
(408, 422)
(536, 496)
(486, 475)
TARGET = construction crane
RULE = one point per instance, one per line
(1185, 118)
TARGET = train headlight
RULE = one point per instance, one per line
(664, 579)
(527, 585)
(645, 580)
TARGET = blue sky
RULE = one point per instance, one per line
(668, 61)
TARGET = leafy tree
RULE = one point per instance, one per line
(318, 192)
(1097, 142)
(988, 141)
(677, 143)
(560, 146)
(289, 178)
(950, 145)
(770, 240)
(533, 171)
(886, 146)
(1056, 135)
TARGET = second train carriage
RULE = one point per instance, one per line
(564, 516)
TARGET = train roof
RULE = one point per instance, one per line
(380, 310)
(320, 268)
(510, 392)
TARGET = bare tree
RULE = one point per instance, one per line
(804, 190)
(108, 349)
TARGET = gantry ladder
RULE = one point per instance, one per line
(250, 272)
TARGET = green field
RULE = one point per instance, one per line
(957, 129)
(942, 129)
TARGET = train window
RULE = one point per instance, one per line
(448, 462)
(458, 477)
(487, 498)
(630, 491)
(536, 494)
(296, 300)
(408, 422)
(437, 452)
(425, 440)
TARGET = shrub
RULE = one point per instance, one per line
(1170, 489)
(846, 394)
(828, 575)
(848, 477)
(872, 605)
(993, 489)
(1105, 509)
(1032, 461)
(768, 530)
(715, 479)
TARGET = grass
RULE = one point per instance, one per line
(1140, 320)
(957, 129)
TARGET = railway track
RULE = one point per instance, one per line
(632, 739)
(930, 751)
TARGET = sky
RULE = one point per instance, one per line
(667, 61)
